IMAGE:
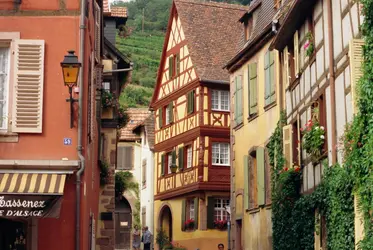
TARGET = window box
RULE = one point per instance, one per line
(221, 224)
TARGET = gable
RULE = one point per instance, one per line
(175, 49)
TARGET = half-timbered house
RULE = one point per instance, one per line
(255, 93)
(192, 123)
(320, 63)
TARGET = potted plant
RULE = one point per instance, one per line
(189, 224)
(220, 224)
(309, 47)
(122, 117)
(108, 99)
(162, 239)
(313, 138)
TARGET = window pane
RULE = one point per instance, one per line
(215, 153)
(169, 162)
(224, 100)
(4, 81)
(189, 157)
(167, 115)
(191, 209)
(215, 99)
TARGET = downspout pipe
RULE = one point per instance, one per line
(80, 123)
(332, 81)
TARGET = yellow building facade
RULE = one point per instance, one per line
(191, 105)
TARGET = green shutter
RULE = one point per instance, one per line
(272, 76)
(246, 180)
(235, 103)
(183, 206)
(160, 117)
(174, 157)
(267, 95)
(171, 111)
(178, 64)
(253, 99)
(163, 164)
(210, 212)
(181, 158)
(190, 102)
(238, 100)
(260, 175)
(196, 212)
(170, 67)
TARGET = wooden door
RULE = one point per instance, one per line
(123, 225)
(238, 242)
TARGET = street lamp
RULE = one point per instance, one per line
(228, 210)
(70, 70)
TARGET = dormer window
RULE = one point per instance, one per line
(248, 24)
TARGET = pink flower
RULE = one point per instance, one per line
(307, 44)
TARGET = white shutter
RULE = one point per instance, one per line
(356, 60)
(4, 87)
(288, 145)
(97, 31)
(296, 52)
(286, 67)
(27, 109)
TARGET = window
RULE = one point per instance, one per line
(125, 158)
(4, 86)
(248, 24)
(169, 162)
(220, 212)
(189, 214)
(106, 86)
(173, 65)
(190, 209)
(220, 154)
(253, 90)
(168, 113)
(220, 100)
(190, 102)
(189, 156)
(269, 69)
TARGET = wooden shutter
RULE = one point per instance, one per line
(27, 113)
(296, 52)
(246, 180)
(97, 31)
(288, 145)
(253, 99)
(286, 67)
(170, 67)
(183, 207)
(196, 212)
(238, 100)
(190, 102)
(128, 158)
(163, 163)
(235, 101)
(173, 157)
(272, 76)
(210, 212)
(260, 181)
(181, 158)
(267, 94)
(268, 171)
(160, 117)
(120, 158)
(178, 64)
(356, 61)
(171, 111)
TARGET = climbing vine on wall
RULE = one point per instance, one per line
(293, 214)
(358, 137)
(124, 182)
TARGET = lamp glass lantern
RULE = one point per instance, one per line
(70, 69)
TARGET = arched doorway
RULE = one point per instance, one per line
(166, 221)
(123, 224)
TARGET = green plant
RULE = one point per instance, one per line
(313, 138)
(162, 239)
(122, 117)
(108, 99)
(309, 46)
(104, 173)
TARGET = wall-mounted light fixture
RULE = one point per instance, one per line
(70, 70)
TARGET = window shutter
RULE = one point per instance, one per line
(27, 115)
(192, 94)
(178, 64)
(170, 67)
(246, 180)
(253, 102)
(210, 212)
(163, 164)
(272, 76)
(239, 99)
(196, 212)
(267, 94)
(235, 101)
(171, 111)
(356, 60)
(97, 32)
(181, 158)
(267, 171)
(286, 67)
(260, 175)
(174, 157)
(183, 206)
(296, 52)
(120, 158)
(190, 102)
(160, 117)
(288, 145)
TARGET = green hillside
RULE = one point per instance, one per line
(144, 49)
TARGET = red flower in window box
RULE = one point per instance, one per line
(221, 224)
(189, 224)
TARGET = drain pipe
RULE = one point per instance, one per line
(80, 123)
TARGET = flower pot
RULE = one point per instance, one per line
(173, 168)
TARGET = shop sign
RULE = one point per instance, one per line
(25, 206)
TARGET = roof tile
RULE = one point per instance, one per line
(137, 116)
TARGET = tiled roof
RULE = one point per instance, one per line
(106, 6)
(211, 30)
(136, 116)
(149, 130)
(113, 11)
